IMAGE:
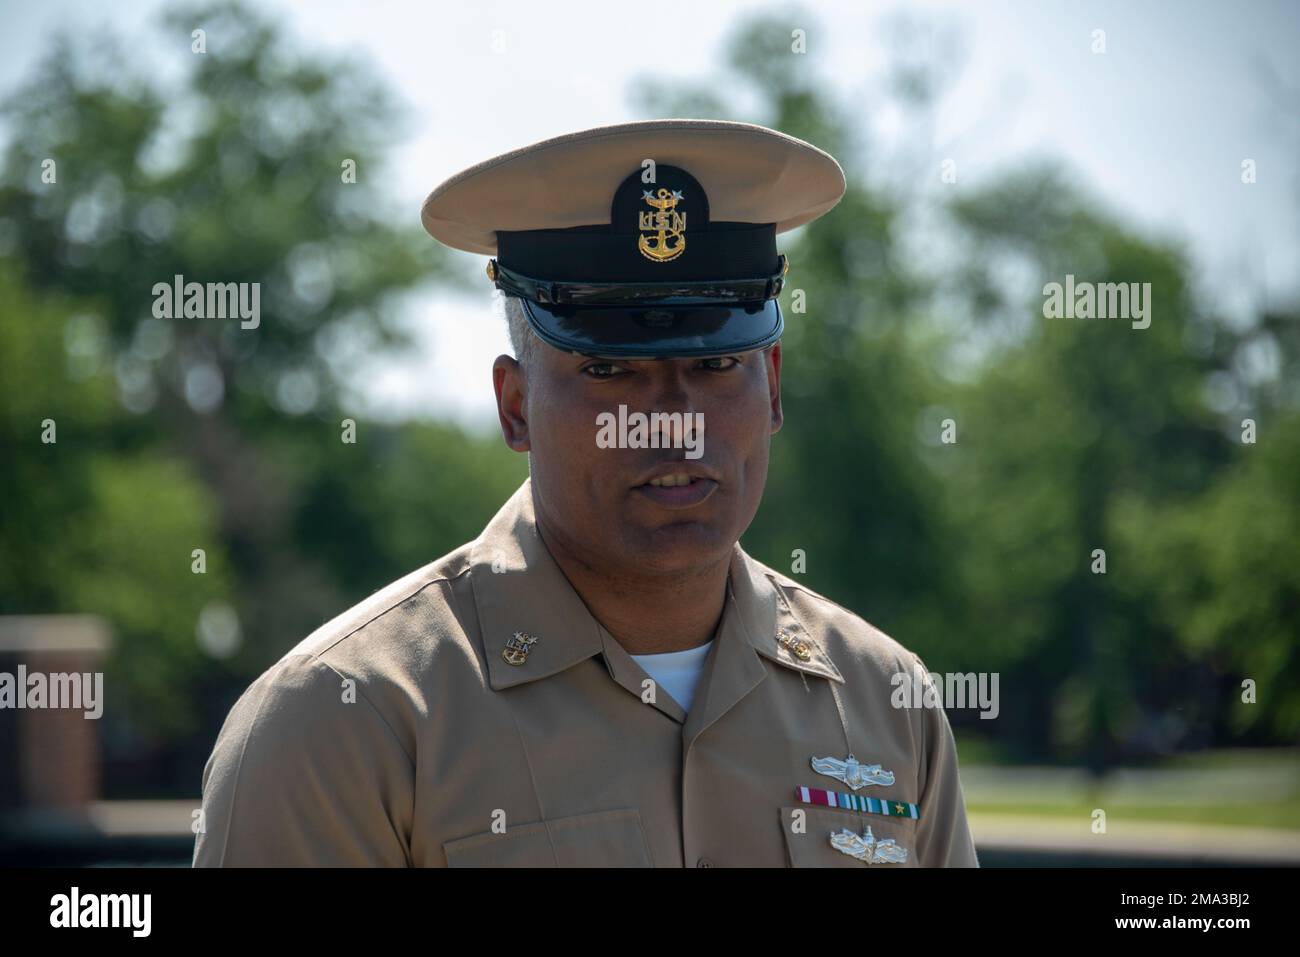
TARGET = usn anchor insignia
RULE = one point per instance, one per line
(517, 648)
(796, 646)
(665, 224)
(867, 849)
(852, 773)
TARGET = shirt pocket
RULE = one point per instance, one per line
(601, 839)
(813, 848)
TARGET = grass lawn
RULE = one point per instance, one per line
(1247, 788)
(1284, 815)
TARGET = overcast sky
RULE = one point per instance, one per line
(1157, 126)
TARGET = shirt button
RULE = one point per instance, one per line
(704, 862)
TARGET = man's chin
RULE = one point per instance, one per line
(680, 547)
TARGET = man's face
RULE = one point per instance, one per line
(598, 504)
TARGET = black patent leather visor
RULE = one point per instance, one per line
(657, 331)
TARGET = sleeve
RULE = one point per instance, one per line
(304, 774)
(942, 836)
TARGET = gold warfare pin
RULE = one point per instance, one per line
(517, 648)
(852, 773)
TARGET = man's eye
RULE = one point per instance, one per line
(731, 361)
(601, 370)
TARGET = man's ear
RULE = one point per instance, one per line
(511, 386)
(773, 359)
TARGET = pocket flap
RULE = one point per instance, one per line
(601, 839)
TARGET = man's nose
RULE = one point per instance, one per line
(673, 394)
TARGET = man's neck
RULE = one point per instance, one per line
(652, 615)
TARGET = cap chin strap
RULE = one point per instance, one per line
(706, 292)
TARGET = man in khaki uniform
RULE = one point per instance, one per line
(604, 677)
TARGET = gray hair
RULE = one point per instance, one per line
(522, 338)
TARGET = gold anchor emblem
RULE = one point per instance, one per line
(666, 224)
(517, 648)
(796, 646)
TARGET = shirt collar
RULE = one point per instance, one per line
(519, 588)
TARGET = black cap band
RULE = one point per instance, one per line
(658, 231)
(594, 254)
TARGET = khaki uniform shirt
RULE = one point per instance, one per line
(397, 734)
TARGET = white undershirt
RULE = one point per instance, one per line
(677, 672)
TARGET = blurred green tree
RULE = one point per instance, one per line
(228, 166)
(1071, 435)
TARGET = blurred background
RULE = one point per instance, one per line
(197, 515)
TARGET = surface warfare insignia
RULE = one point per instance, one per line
(517, 648)
(867, 849)
(851, 773)
(666, 226)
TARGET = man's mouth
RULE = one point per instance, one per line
(677, 489)
(677, 478)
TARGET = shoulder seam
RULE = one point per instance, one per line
(794, 585)
(361, 693)
(386, 609)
